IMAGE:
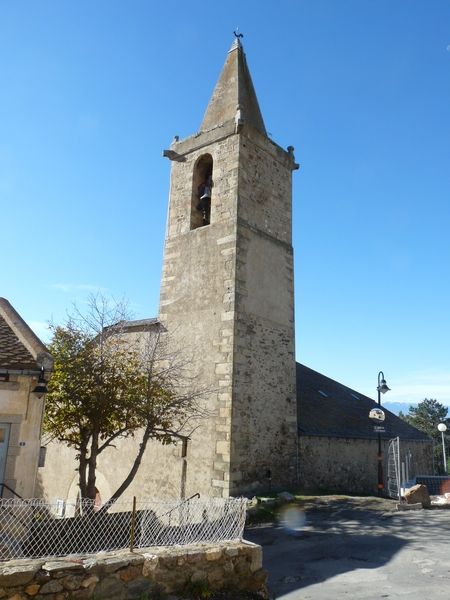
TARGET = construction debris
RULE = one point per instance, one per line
(418, 494)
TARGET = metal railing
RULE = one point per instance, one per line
(36, 528)
(3, 486)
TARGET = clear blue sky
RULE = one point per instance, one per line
(92, 91)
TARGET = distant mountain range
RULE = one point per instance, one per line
(396, 407)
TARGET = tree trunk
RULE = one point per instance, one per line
(91, 491)
(137, 461)
(82, 471)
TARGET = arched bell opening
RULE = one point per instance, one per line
(202, 185)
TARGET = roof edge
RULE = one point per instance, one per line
(26, 335)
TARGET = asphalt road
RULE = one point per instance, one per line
(360, 551)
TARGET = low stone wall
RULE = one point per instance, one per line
(141, 575)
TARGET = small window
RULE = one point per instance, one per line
(4, 376)
(202, 185)
(323, 394)
(60, 508)
(42, 455)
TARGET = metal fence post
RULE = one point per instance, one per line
(133, 524)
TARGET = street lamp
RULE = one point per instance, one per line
(442, 428)
(382, 388)
(41, 388)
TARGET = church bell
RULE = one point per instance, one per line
(206, 194)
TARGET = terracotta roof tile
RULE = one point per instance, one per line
(13, 354)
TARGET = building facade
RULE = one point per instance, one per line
(23, 361)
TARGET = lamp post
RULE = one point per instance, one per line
(442, 428)
(382, 388)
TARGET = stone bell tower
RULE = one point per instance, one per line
(227, 292)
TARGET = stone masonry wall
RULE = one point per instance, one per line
(264, 429)
(137, 575)
(227, 300)
(349, 465)
(197, 302)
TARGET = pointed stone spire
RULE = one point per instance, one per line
(234, 96)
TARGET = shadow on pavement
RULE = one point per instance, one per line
(331, 543)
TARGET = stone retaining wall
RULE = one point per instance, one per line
(141, 575)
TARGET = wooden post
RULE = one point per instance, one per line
(133, 524)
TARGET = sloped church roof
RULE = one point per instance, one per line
(328, 408)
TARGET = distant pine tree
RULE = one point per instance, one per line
(426, 416)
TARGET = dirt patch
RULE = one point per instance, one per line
(235, 596)
(267, 510)
(354, 502)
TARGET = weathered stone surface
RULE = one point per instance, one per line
(167, 562)
(91, 564)
(257, 583)
(227, 566)
(72, 582)
(213, 554)
(215, 577)
(194, 557)
(198, 576)
(130, 573)
(42, 576)
(113, 564)
(32, 589)
(338, 465)
(89, 581)
(110, 588)
(139, 588)
(418, 493)
(17, 575)
(51, 587)
(59, 566)
(150, 565)
(81, 594)
(170, 569)
(256, 559)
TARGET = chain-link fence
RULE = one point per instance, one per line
(35, 528)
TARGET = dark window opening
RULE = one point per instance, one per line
(202, 192)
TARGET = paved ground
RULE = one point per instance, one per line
(359, 550)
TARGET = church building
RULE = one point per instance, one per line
(227, 305)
